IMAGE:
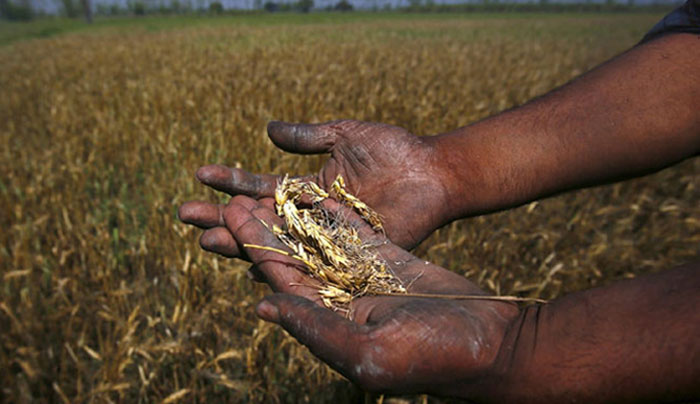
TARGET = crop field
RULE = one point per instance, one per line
(107, 297)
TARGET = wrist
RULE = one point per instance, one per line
(597, 345)
(499, 162)
(470, 173)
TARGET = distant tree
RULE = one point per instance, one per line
(164, 8)
(343, 5)
(137, 8)
(70, 8)
(87, 10)
(304, 5)
(215, 7)
(16, 12)
(270, 6)
(184, 6)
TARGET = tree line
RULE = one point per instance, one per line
(19, 10)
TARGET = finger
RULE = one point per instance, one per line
(303, 138)
(235, 181)
(332, 338)
(268, 203)
(204, 215)
(283, 273)
(220, 241)
(247, 202)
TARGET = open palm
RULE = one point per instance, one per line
(391, 343)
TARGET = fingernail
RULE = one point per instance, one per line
(267, 311)
(181, 212)
(201, 174)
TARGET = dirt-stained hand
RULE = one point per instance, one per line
(391, 344)
(390, 169)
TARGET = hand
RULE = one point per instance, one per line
(392, 344)
(391, 170)
(585, 346)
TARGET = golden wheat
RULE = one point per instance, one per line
(105, 296)
(346, 266)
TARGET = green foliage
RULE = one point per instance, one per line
(304, 6)
(137, 7)
(343, 5)
(102, 9)
(16, 12)
(414, 4)
(177, 7)
(270, 6)
(215, 7)
(71, 8)
(495, 6)
(115, 10)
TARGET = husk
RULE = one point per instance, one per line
(346, 267)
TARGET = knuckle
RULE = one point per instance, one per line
(238, 200)
(207, 240)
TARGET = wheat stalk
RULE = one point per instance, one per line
(334, 254)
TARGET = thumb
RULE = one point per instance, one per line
(329, 336)
(303, 138)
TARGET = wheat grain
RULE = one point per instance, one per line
(331, 248)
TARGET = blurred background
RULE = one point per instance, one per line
(27, 9)
(106, 297)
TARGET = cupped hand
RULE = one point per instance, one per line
(394, 344)
(388, 168)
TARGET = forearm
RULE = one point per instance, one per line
(636, 340)
(635, 114)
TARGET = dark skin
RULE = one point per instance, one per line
(366, 348)
(358, 151)
(632, 341)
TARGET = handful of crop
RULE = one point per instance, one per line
(345, 266)
(329, 246)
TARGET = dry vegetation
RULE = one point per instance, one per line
(105, 296)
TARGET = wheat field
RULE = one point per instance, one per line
(106, 297)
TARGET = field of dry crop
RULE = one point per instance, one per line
(106, 297)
